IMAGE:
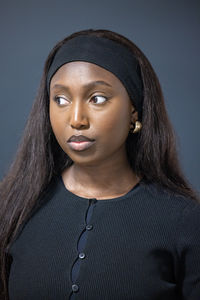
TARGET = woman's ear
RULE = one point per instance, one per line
(134, 114)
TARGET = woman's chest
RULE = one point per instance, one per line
(94, 253)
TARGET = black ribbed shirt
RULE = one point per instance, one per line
(141, 246)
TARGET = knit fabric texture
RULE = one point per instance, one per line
(144, 245)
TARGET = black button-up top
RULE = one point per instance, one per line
(142, 246)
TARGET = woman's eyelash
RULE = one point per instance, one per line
(96, 99)
(60, 100)
(102, 99)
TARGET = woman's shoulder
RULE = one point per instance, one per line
(180, 206)
(163, 194)
(176, 214)
(51, 190)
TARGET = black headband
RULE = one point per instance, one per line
(105, 53)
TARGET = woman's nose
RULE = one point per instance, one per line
(78, 116)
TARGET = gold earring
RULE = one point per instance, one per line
(135, 127)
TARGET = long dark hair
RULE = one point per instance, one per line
(151, 153)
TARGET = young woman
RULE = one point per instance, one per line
(95, 205)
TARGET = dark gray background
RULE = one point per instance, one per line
(166, 31)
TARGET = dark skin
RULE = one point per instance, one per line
(88, 100)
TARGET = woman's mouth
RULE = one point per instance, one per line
(80, 142)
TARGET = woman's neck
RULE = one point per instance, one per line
(101, 181)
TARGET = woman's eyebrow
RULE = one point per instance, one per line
(86, 86)
(95, 83)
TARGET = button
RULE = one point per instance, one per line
(81, 255)
(92, 201)
(75, 288)
(89, 227)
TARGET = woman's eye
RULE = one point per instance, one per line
(99, 99)
(61, 100)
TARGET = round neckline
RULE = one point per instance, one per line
(133, 191)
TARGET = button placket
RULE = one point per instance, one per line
(81, 245)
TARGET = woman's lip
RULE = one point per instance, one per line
(80, 146)
(79, 138)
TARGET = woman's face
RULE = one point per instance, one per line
(90, 113)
